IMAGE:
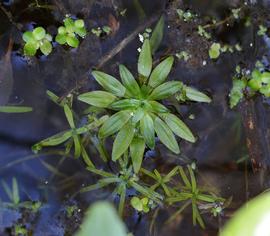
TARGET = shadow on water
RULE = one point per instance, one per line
(221, 135)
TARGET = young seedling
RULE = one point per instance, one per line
(141, 205)
(37, 39)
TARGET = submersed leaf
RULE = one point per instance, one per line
(137, 148)
(72, 41)
(97, 98)
(39, 33)
(165, 90)
(157, 35)
(160, 73)
(178, 127)
(46, 47)
(14, 109)
(129, 82)
(122, 140)
(145, 59)
(147, 130)
(114, 123)
(109, 83)
(197, 96)
(166, 136)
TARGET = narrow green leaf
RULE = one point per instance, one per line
(145, 59)
(15, 191)
(7, 190)
(157, 107)
(77, 146)
(194, 95)
(15, 109)
(157, 35)
(161, 72)
(114, 123)
(129, 82)
(125, 104)
(123, 140)
(97, 98)
(109, 83)
(138, 115)
(166, 135)
(137, 148)
(147, 130)
(122, 191)
(69, 116)
(165, 90)
(178, 127)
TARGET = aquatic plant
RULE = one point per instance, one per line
(139, 111)
(37, 39)
(15, 109)
(69, 33)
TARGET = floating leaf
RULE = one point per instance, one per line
(145, 60)
(61, 38)
(30, 49)
(97, 98)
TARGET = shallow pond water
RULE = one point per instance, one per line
(222, 133)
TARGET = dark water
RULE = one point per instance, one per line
(220, 131)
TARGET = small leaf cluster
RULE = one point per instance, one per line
(69, 33)
(37, 39)
(186, 15)
(140, 115)
(141, 205)
(216, 49)
(258, 82)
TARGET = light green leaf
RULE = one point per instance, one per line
(147, 130)
(145, 60)
(165, 90)
(15, 109)
(69, 116)
(15, 191)
(30, 49)
(114, 123)
(123, 140)
(138, 115)
(161, 72)
(102, 220)
(129, 82)
(46, 47)
(136, 203)
(214, 51)
(81, 32)
(72, 41)
(125, 104)
(61, 38)
(178, 127)
(157, 35)
(109, 83)
(28, 37)
(79, 23)
(39, 33)
(194, 95)
(157, 107)
(166, 135)
(137, 148)
(97, 98)
(77, 146)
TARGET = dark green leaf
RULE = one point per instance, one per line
(129, 82)
(178, 127)
(195, 95)
(122, 140)
(145, 60)
(157, 35)
(166, 136)
(147, 130)
(161, 72)
(137, 148)
(109, 83)
(114, 123)
(165, 90)
(97, 98)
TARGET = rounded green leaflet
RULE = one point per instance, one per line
(46, 47)
(147, 130)
(79, 23)
(81, 32)
(97, 98)
(69, 24)
(62, 30)
(30, 49)
(161, 72)
(28, 37)
(214, 51)
(109, 83)
(265, 77)
(136, 203)
(166, 136)
(178, 127)
(72, 41)
(123, 140)
(255, 84)
(114, 123)
(39, 33)
(61, 38)
(251, 220)
(145, 59)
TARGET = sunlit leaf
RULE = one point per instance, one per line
(125, 104)
(46, 47)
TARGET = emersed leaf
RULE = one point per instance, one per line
(161, 72)
(178, 127)
(137, 148)
(157, 35)
(125, 104)
(129, 82)
(165, 135)
(97, 98)
(165, 90)
(122, 140)
(114, 123)
(194, 95)
(102, 214)
(15, 109)
(109, 83)
(145, 59)
(148, 131)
